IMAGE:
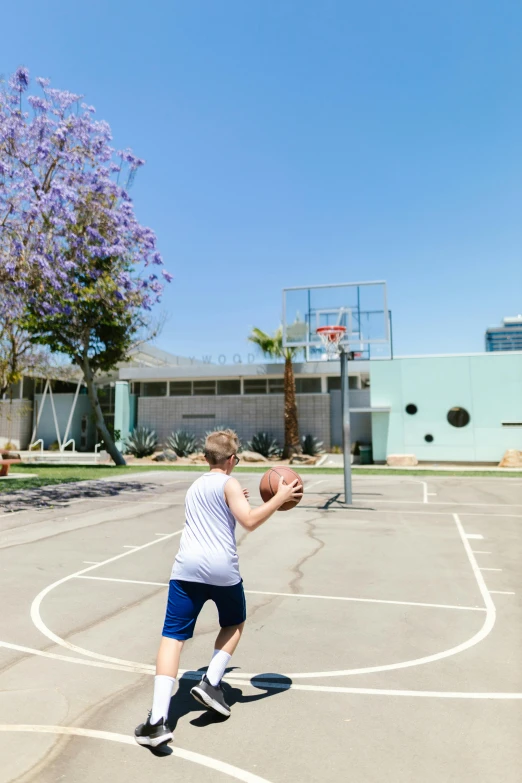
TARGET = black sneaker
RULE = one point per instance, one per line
(211, 696)
(153, 734)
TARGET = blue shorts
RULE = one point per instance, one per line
(186, 601)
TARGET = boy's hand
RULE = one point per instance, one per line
(246, 493)
(286, 492)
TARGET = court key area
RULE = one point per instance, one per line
(382, 642)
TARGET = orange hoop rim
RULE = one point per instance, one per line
(331, 332)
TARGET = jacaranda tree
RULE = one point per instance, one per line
(71, 248)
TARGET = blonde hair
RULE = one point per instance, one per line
(220, 445)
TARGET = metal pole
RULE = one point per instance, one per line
(345, 407)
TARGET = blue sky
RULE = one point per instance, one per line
(299, 142)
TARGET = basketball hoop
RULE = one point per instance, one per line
(331, 337)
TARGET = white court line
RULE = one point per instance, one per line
(300, 595)
(475, 639)
(502, 592)
(150, 670)
(450, 503)
(35, 606)
(474, 536)
(308, 487)
(491, 569)
(187, 755)
(424, 492)
(480, 552)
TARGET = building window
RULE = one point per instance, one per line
(180, 388)
(429, 438)
(276, 386)
(254, 385)
(229, 387)
(458, 417)
(411, 409)
(308, 385)
(136, 388)
(334, 382)
(154, 389)
(204, 388)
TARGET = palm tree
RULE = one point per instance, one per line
(272, 346)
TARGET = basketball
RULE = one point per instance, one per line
(270, 482)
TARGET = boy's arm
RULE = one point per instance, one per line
(250, 518)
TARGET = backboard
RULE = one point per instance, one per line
(362, 308)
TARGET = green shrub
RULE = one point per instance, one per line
(182, 442)
(311, 445)
(264, 443)
(141, 442)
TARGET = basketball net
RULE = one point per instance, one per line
(331, 337)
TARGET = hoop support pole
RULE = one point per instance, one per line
(345, 407)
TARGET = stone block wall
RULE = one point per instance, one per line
(246, 414)
(16, 420)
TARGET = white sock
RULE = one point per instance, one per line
(217, 666)
(163, 687)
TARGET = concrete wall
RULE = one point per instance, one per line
(360, 423)
(15, 422)
(247, 414)
(63, 402)
(488, 386)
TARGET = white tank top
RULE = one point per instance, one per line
(207, 550)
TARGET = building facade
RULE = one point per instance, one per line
(507, 337)
(448, 408)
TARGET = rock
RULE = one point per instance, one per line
(252, 456)
(159, 457)
(198, 458)
(401, 460)
(511, 459)
(304, 459)
(170, 455)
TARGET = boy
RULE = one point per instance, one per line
(206, 567)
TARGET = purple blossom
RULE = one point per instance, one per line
(62, 206)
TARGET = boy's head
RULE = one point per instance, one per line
(220, 446)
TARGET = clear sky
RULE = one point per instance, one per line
(295, 142)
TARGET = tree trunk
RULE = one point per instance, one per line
(98, 415)
(292, 442)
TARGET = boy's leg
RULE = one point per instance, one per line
(167, 665)
(184, 604)
(226, 642)
(230, 602)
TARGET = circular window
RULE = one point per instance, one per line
(411, 409)
(428, 438)
(458, 417)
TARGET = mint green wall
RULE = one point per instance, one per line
(122, 411)
(489, 386)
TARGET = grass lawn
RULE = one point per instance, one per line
(62, 474)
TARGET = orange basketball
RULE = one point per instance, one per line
(270, 482)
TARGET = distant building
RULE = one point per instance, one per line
(507, 337)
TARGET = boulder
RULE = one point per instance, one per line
(252, 456)
(198, 458)
(159, 457)
(170, 455)
(304, 459)
(511, 459)
(402, 460)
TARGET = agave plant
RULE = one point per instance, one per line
(311, 445)
(141, 442)
(182, 442)
(265, 444)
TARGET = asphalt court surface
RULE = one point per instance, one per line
(383, 641)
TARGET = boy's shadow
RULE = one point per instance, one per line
(182, 703)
